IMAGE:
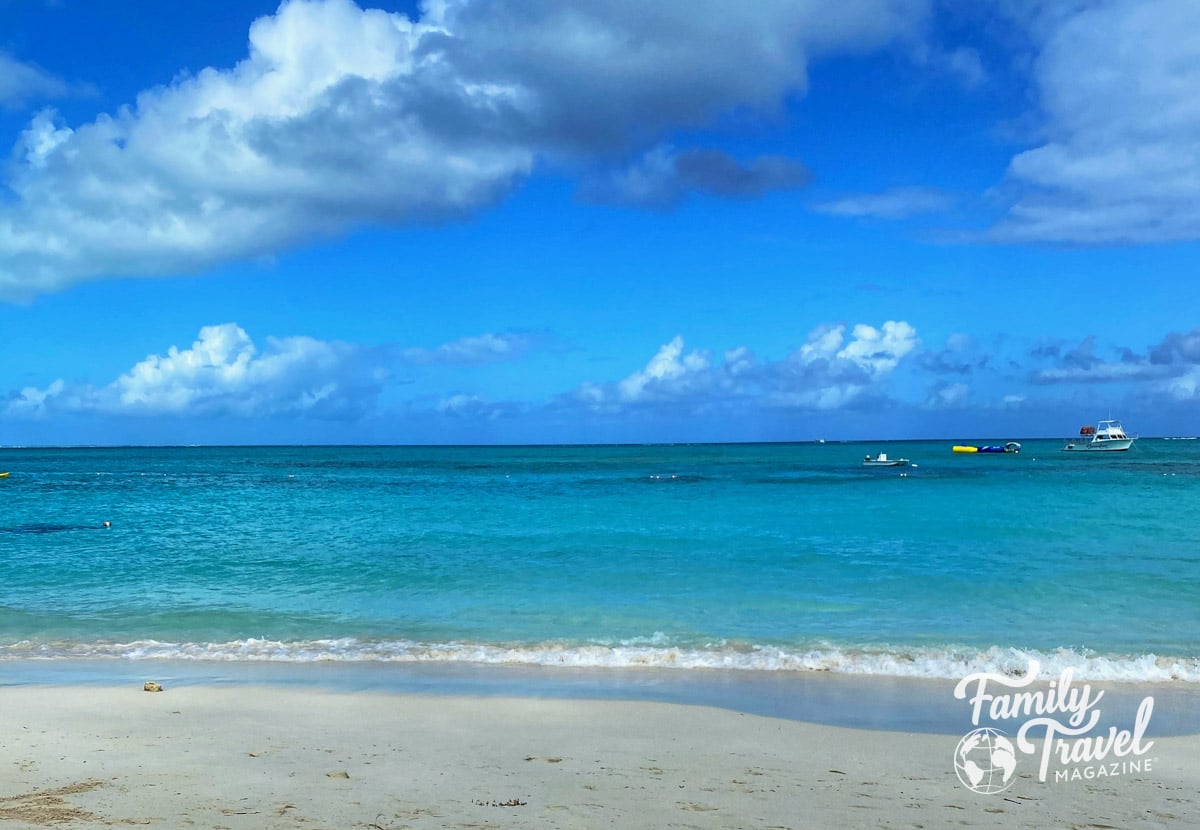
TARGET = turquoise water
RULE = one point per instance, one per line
(759, 557)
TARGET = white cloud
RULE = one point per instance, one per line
(474, 407)
(959, 341)
(479, 349)
(340, 117)
(1185, 387)
(1101, 373)
(31, 401)
(460, 403)
(1117, 86)
(828, 372)
(308, 135)
(823, 342)
(959, 356)
(948, 396)
(1178, 348)
(880, 350)
(1171, 364)
(963, 64)
(822, 398)
(897, 203)
(875, 350)
(668, 374)
(739, 361)
(21, 82)
(224, 373)
(217, 363)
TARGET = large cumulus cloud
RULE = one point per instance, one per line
(223, 373)
(829, 371)
(341, 116)
(1118, 161)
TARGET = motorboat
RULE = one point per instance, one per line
(1105, 436)
(882, 460)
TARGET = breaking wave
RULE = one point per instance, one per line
(950, 662)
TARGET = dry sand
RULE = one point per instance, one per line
(274, 757)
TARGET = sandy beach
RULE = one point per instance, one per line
(277, 757)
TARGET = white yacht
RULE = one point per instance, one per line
(1105, 436)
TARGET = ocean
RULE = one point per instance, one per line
(760, 558)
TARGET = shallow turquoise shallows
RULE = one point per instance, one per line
(759, 557)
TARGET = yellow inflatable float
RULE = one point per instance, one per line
(1011, 446)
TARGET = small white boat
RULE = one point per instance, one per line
(1105, 436)
(882, 460)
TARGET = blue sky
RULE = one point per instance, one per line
(596, 221)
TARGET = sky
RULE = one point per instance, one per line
(596, 221)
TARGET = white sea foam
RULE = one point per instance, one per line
(653, 652)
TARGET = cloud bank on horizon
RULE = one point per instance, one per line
(225, 375)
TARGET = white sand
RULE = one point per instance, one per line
(271, 757)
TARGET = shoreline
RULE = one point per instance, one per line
(254, 756)
(872, 702)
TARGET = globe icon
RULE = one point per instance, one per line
(985, 761)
